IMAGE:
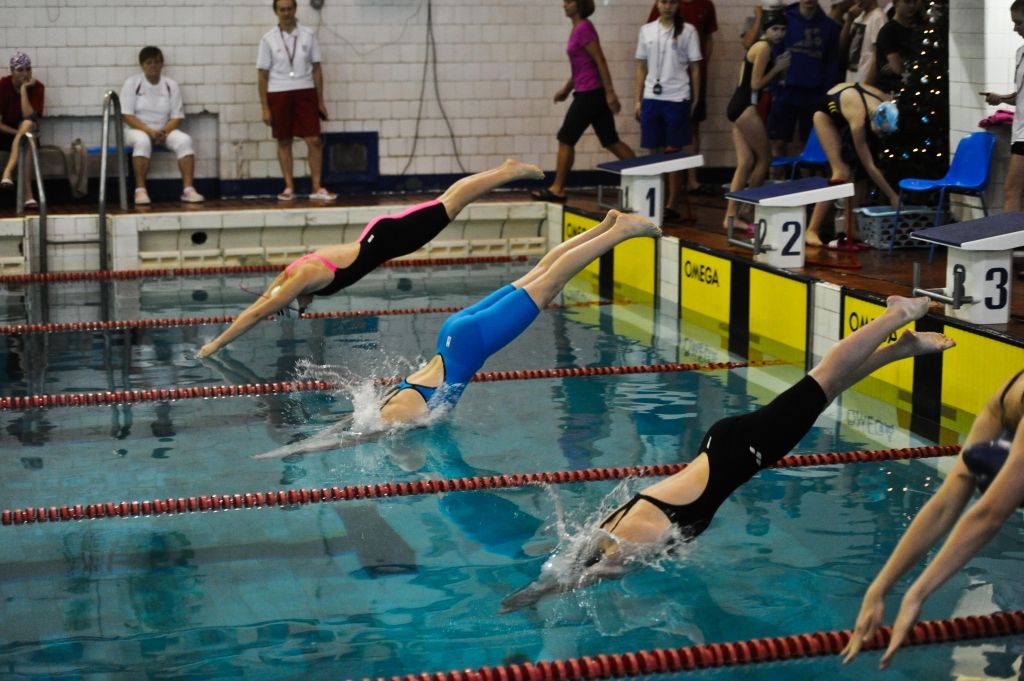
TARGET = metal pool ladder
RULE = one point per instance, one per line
(29, 140)
(111, 101)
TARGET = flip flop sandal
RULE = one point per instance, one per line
(546, 195)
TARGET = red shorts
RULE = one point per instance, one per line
(294, 113)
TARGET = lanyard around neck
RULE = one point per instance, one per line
(661, 50)
(295, 46)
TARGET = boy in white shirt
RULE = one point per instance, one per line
(291, 87)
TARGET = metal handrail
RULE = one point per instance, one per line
(29, 139)
(111, 100)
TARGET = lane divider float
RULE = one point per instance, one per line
(305, 496)
(279, 388)
(183, 272)
(713, 655)
(119, 325)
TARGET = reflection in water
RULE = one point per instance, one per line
(168, 594)
(583, 414)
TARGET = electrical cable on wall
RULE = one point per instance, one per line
(430, 53)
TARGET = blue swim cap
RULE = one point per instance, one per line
(985, 459)
(886, 118)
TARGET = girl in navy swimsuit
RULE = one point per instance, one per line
(848, 124)
(992, 462)
(330, 269)
(749, 136)
(735, 448)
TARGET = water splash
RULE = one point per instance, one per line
(365, 393)
(587, 554)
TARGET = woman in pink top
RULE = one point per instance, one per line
(327, 270)
(594, 101)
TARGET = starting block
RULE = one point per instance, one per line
(780, 213)
(641, 185)
(979, 266)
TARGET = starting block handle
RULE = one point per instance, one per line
(623, 199)
(957, 300)
(754, 245)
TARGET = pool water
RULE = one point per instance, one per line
(413, 584)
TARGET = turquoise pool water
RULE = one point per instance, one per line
(413, 584)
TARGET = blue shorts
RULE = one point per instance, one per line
(792, 107)
(664, 125)
(468, 337)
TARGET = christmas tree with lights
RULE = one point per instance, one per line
(921, 147)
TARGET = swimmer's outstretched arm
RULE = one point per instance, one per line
(335, 437)
(562, 575)
(266, 306)
(974, 530)
(933, 521)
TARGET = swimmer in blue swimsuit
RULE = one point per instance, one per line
(329, 269)
(996, 428)
(733, 450)
(470, 336)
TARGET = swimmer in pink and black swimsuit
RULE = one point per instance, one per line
(331, 268)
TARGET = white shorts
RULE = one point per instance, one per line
(177, 141)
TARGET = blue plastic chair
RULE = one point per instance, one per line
(968, 174)
(812, 155)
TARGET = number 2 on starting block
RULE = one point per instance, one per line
(782, 236)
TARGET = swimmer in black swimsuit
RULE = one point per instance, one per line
(1000, 419)
(735, 448)
(329, 269)
(749, 136)
(848, 125)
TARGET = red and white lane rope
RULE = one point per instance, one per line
(182, 272)
(305, 496)
(712, 655)
(119, 325)
(278, 388)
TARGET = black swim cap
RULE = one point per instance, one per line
(776, 17)
(985, 459)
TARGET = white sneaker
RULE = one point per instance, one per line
(142, 197)
(190, 195)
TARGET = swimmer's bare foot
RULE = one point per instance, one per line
(636, 225)
(910, 308)
(523, 170)
(923, 343)
(812, 239)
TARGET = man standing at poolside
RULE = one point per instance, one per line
(291, 86)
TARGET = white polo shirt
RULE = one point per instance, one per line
(289, 58)
(667, 59)
(1018, 82)
(152, 104)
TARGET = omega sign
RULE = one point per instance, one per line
(702, 273)
(857, 320)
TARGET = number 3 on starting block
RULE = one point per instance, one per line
(979, 266)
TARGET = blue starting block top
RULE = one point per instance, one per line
(995, 233)
(655, 164)
(796, 193)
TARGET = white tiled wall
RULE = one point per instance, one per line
(499, 64)
(981, 51)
